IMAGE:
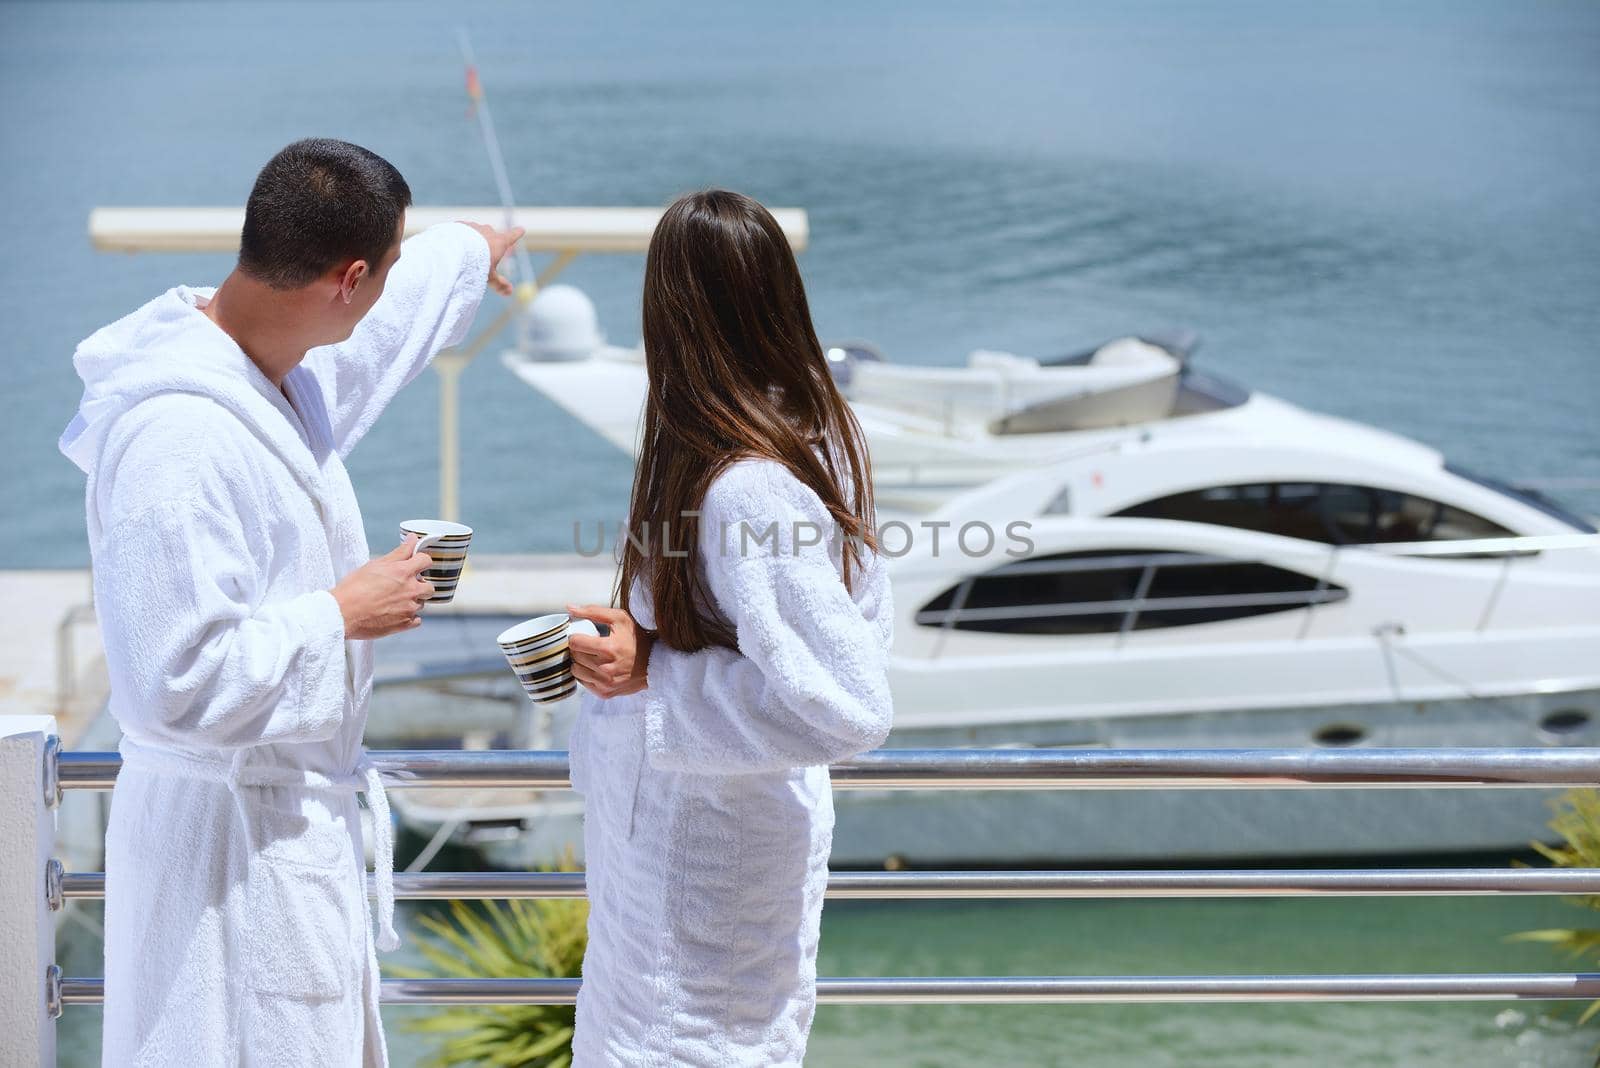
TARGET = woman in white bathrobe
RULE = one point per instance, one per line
(748, 654)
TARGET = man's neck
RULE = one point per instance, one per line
(266, 323)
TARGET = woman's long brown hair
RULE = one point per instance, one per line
(736, 371)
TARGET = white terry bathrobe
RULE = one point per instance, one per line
(708, 811)
(219, 515)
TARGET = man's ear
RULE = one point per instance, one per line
(351, 278)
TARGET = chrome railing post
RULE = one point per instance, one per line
(28, 794)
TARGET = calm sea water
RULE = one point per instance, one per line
(1388, 214)
(1384, 211)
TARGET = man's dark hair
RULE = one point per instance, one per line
(316, 204)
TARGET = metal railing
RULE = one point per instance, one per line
(1007, 769)
(945, 885)
(1001, 769)
(1019, 990)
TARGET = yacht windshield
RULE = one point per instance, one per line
(1335, 513)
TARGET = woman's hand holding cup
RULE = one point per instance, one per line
(613, 664)
(383, 596)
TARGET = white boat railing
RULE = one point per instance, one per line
(50, 888)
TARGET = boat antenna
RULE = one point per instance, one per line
(527, 285)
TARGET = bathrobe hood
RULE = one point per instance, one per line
(169, 346)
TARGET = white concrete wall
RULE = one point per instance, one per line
(27, 930)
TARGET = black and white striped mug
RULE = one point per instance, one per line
(537, 651)
(446, 543)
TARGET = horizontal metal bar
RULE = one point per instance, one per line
(1212, 988)
(999, 769)
(989, 769)
(907, 885)
(1021, 990)
(1240, 883)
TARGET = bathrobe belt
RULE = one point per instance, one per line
(236, 773)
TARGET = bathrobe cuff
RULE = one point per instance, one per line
(324, 669)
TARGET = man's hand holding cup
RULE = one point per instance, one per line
(383, 596)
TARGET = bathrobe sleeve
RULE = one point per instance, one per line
(428, 303)
(807, 685)
(196, 657)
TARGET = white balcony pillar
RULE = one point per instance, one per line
(27, 928)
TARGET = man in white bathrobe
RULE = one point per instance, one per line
(237, 602)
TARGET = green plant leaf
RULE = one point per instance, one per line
(520, 938)
(1577, 822)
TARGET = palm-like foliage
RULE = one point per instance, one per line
(1577, 821)
(517, 939)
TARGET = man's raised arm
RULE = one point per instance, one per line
(428, 304)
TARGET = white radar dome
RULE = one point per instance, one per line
(562, 325)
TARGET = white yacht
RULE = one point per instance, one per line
(1132, 553)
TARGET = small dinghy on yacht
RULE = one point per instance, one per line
(933, 431)
(1125, 381)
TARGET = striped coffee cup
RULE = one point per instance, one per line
(537, 651)
(446, 544)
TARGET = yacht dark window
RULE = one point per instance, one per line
(1337, 513)
(1127, 589)
(1228, 589)
(1531, 498)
